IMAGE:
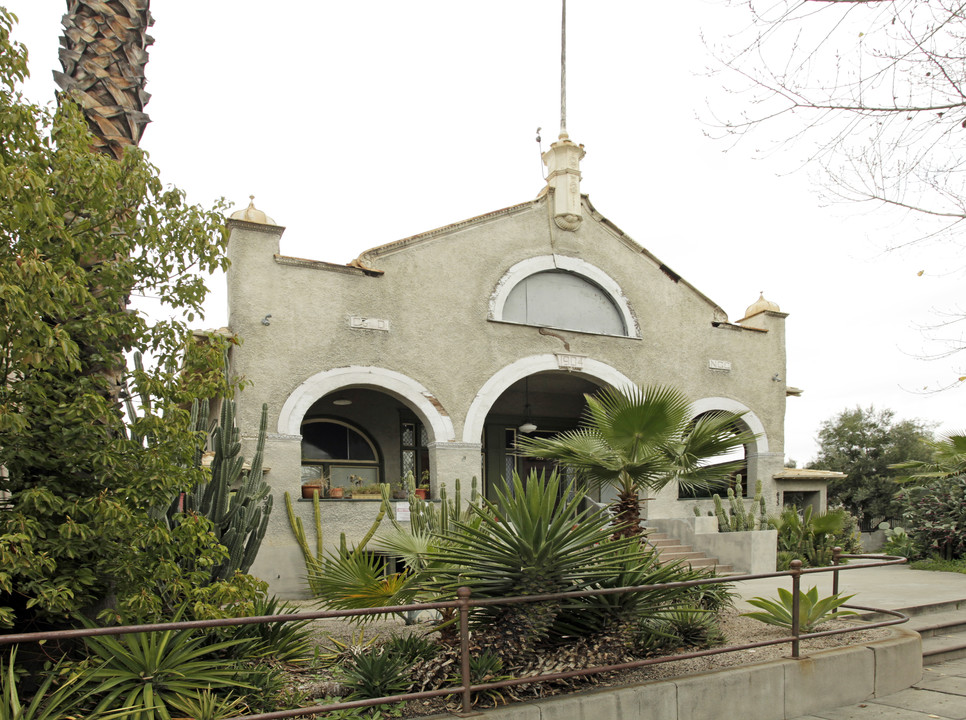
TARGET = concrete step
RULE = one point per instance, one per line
(662, 542)
(949, 622)
(670, 549)
(940, 648)
(673, 549)
(942, 626)
(683, 555)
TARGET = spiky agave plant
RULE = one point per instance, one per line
(533, 538)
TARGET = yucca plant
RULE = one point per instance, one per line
(412, 648)
(693, 625)
(61, 695)
(485, 667)
(206, 705)
(148, 671)
(812, 611)
(636, 564)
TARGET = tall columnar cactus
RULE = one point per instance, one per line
(739, 518)
(428, 517)
(237, 503)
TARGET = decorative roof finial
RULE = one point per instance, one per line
(563, 157)
(563, 70)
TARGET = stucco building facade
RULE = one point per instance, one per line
(429, 354)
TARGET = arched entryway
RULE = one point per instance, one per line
(539, 405)
(533, 396)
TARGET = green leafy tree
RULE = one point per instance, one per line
(641, 439)
(863, 443)
(79, 233)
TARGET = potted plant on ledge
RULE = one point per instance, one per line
(318, 485)
(422, 491)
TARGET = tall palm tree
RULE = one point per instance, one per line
(103, 53)
(641, 439)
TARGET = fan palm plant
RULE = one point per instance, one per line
(949, 460)
(640, 439)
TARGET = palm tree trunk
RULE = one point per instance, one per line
(627, 515)
(103, 53)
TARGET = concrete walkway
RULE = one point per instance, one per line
(942, 691)
(891, 587)
(940, 694)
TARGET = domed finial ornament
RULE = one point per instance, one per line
(761, 305)
(252, 214)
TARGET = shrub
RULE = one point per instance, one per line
(936, 515)
(282, 641)
(898, 542)
(376, 673)
(807, 536)
(60, 695)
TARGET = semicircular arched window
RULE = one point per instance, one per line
(342, 452)
(565, 300)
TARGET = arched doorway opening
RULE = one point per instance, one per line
(736, 479)
(542, 404)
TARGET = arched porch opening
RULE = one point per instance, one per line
(540, 405)
(554, 391)
(363, 426)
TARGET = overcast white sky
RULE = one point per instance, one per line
(359, 123)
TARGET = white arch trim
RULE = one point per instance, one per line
(391, 382)
(753, 422)
(498, 383)
(530, 266)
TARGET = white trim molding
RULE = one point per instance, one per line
(401, 387)
(747, 416)
(498, 383)
(543, 263)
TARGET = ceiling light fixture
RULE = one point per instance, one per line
(528, 426)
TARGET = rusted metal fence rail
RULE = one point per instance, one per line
(464, 603)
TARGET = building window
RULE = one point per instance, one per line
(414, 444)
(340, 451)
(565, 300)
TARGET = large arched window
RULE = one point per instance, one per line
(342, 452)
(565, 300)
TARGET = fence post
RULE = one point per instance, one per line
(836, 552)
(796, 568)
(463, 597)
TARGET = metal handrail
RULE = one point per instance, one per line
(465, 602)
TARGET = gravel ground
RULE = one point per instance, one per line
(736, 629)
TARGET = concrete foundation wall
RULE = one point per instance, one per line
(748, 552)
(767, 691)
